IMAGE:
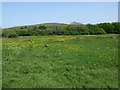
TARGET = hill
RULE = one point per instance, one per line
(61, 29)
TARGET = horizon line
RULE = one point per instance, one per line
(51, 23)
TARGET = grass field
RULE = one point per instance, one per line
(88, 61)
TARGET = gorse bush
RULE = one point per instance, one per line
(62, 29)
(9, 34)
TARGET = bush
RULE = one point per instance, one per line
(116, 27)
(94, 29)
(108, 27)
(77, 30)
(9, 34)
(24, 32)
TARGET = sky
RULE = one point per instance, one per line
(30, 13)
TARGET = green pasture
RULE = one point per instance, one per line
(58, 61)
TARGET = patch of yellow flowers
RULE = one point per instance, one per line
(20, 43)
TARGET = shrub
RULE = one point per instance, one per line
(9, 34)
(94, 29)
(77, 29)
(108, 27)
(117, 27)
(24, 32)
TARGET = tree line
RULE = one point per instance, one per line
(62, 29)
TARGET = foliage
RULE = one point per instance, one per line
(62, 29)
(116, 27)
(9, 34)
(110, 27)
(94, 29)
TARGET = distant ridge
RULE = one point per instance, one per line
(45, 24)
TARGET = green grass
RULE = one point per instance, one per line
(60, 62)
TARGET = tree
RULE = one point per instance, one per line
(108, 27)
(94, 29)
(117, 27)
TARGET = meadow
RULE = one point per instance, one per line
(60, 61)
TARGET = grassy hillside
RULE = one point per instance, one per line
(86, 61)
(61, 29)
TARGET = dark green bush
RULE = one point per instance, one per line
(116, 27)
(108, 27)
(77, 30)
(94, 29)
